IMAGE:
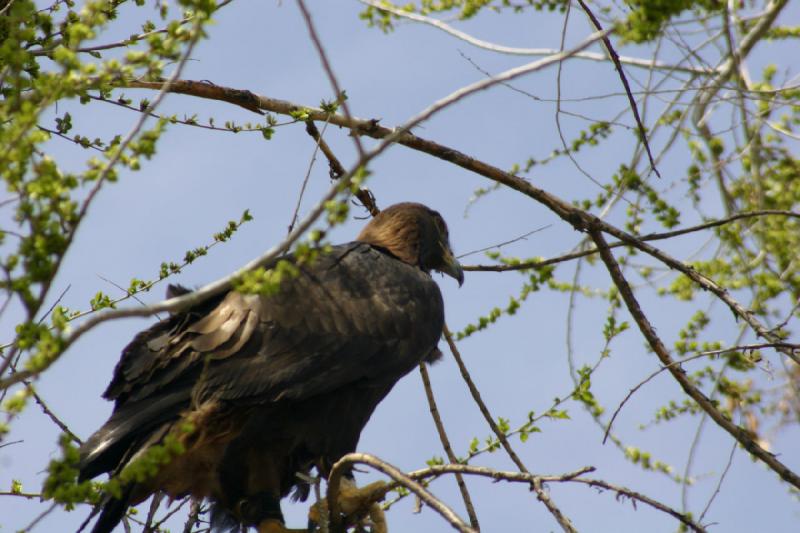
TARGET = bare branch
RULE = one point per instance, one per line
(329, 71)
(592, 56)
(337, 170)
(562, 519)
(686, 360)
(51, 415)
(722, 476)
(523, 237)
(307, 176)
(437, 421)
(649, 237)
(572, 477)
(615, 58)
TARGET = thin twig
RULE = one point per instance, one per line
(26, 495)
(615, 58)
(340, 97)
(562, 519)
(39, 518)
(169, 515)
(155, 502)
(124, 290)
(571, 477)
(684, 360)
(306, 177)
(194, 516)
(522, 237)
(565, 148)
(51, 415)
(649, 237)
(722, 476)
(683, 518)
(70, 139)
(448, 449)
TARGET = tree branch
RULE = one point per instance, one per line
(448, 450)
(572, 477)
(727, 68)
(592, 56)
(738, 433)
(536, 485)
(649, 237)
(631, 101)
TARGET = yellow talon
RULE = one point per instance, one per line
(356, 504)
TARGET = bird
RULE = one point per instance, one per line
(234, 399)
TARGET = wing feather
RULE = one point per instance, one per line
(357, 316)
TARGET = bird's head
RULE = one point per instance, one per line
(416, 235)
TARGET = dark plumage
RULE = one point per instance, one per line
(275, 385)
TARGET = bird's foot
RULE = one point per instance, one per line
(359, 507)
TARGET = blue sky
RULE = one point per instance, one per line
(200, 179)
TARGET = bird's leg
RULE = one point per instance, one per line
(355, 504)
(378, 518)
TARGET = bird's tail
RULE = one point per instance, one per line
(112, 511)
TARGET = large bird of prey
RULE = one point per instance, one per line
(255, 389)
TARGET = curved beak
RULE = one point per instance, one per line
(451, 266)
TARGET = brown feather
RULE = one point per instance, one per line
(395, 230)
